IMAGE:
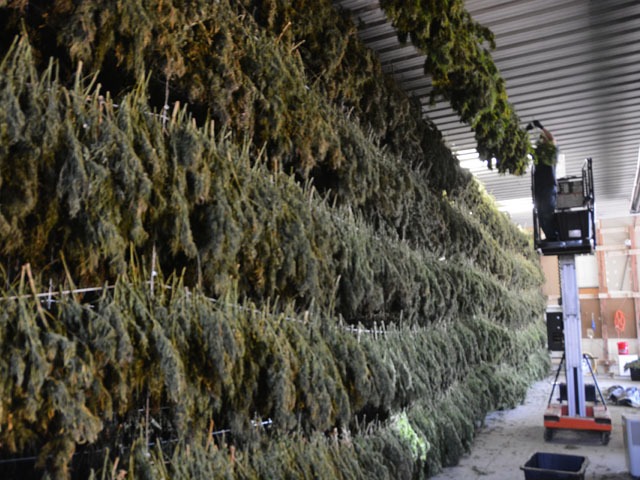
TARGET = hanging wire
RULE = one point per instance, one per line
(149, 444)
(48, 297)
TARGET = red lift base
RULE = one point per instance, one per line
(598, 419)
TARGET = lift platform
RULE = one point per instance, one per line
(575, 215)
(577, 408)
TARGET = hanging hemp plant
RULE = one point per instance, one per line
(464, 74)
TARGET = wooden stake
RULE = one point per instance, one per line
(210, 436)
(32, 285)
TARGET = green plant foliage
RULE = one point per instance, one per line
(100, 362)
(418, 446)
(288, 241)
(227, 220)
(464, 74)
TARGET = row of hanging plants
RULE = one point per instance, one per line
(114, 179)
(253, 67)
(77, 373)
(211, 55)
(363, 159)
(382, 278)
(264, 160)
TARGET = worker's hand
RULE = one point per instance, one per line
(530, 126)
(538, 124)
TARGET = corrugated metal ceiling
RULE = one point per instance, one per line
(574, 65)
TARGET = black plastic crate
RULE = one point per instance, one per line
(555, 466)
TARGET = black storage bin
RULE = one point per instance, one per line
(555, 466)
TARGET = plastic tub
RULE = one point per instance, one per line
(623, 348)
(555, 466)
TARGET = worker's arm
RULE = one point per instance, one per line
(545, 133)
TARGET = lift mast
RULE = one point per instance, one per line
(572, 336)
(579, 408)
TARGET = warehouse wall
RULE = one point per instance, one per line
(609, 290)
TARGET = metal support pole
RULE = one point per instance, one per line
(604, 303)
(572, 336)
(635, 281)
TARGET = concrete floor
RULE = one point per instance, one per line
(510, 438)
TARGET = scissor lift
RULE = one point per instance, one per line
(578, 407)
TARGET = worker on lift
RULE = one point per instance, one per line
(544, 179)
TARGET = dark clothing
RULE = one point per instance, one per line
(545, 191)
